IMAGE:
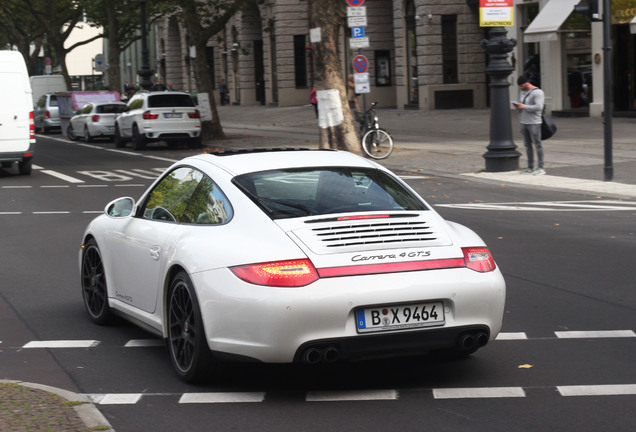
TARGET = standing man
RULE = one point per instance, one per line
(531, 107)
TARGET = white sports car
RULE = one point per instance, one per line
(289, 256)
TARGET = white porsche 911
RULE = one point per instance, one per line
(289, 256)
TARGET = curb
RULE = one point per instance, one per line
(84, 408)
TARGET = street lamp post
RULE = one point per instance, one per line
(502, 154)
(145, 72)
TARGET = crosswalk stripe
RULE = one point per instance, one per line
(595, 334)
(62, 176)
(479, 393)
(351, 395)
(598, 390)
(223, 397)
(512, 336)
(62, 344)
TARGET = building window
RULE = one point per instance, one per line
(300, 61)
(382, 68)
(449, 49)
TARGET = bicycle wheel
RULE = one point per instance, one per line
(377, 144)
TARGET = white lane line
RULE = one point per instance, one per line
(351, 395)
(595, 334)
(55, 187)
(598, 390)
(115, 398)
(479, 393)
(17, 187)
(137, 343)
(221, 397)
(10, 213)
(62, 176)
(130, 185)
(92, 186)
(50, 212)
(512, 336)
(62, 344)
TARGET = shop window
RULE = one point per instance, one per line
(300, 61)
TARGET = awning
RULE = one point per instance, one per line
(544, 27)
(632, 26)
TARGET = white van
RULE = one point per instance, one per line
(17, 132)
(43, 84)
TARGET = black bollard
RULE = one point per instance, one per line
(502, 154)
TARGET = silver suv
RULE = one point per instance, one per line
(159, 116)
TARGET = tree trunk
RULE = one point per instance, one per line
(114, 50)
(337, 128)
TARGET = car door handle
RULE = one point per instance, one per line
(155, 252)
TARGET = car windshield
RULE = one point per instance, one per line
(110, 109)
(318, 191)
(169, 101)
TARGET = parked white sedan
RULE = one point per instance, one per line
(95, 119)
(289, 256)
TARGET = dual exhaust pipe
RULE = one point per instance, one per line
(320, 355)
(472, 341)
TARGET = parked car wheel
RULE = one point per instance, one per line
(70, 133)
(120, 142)
(189, 350)
(139, 141)
(195, 143)
(94, 284)
(87, 135)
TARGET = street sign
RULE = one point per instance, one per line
(357, 21)
(357, 32)
(99, 63)
(360, 64)
(361, 81)
(358, 43)
(357, 11)
(496, 13)
(355, 3)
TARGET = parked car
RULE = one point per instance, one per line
(17, 136)
(46, 113)
(159, 116)
(95, 119)
(43, 84)
(294, 255)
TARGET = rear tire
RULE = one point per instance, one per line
(120, 142)
(70, 133)
(377, 144)
(25, 166)
(187, 343)
(139, 141)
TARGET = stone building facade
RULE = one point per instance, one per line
(423, 54)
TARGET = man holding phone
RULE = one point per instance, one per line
(530, 110)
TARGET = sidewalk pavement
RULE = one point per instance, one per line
(442, 143)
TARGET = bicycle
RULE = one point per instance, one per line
(375, 141)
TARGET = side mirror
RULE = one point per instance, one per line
(120, 208)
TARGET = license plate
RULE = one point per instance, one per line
(172, 115)
(398, 317)
(109, 128)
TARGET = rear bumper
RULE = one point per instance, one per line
(21, 156)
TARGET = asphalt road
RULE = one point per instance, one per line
(564, 361)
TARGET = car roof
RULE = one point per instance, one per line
(107, 103)
(242, 162)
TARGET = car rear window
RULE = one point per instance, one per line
(169, 101)
(318, 191)
(110, 109)
(53, 101)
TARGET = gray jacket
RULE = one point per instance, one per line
(533, 101)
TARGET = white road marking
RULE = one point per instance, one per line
(222, 397)
(137, 343)
(595, 334)
(115, 398)
(62, 344)
(598, 390)
(590, 205)
(62, 176)
(50, 212)
(17, 187)
(479, 393)
(351, 395)
(512, 336)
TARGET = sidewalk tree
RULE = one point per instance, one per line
(22, 31)
(120, 21)
(58, 18)
(329, 16)
(203, 20)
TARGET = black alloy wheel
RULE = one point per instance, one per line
(139, 141)
(94, 288)
(70, 133)
(188, 347)
(120, 142)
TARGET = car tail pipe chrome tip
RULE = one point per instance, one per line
(314, 355)
(470, 341)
